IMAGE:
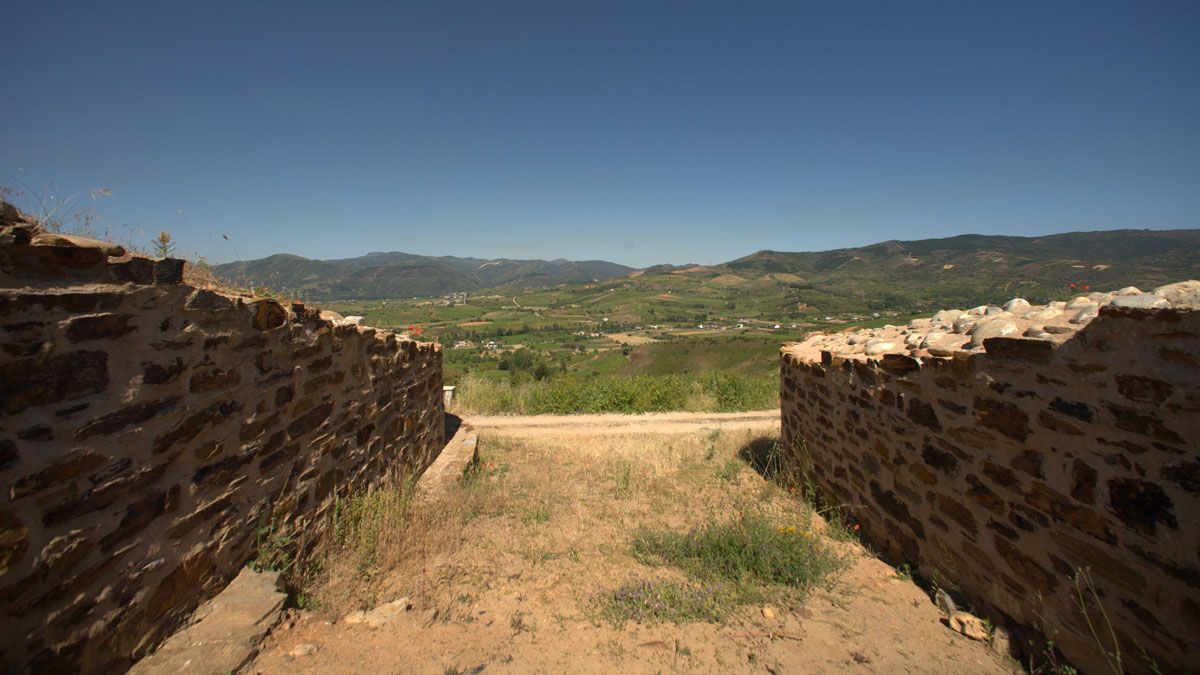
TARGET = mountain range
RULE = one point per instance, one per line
(978, 263)
(399, 275)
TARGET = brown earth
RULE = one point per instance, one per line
(784, 276)
(506, 572)
(632, 338)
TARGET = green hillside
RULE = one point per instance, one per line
(713, 331)
(405, 275)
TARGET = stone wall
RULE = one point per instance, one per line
(152, 434)
(1004, 465)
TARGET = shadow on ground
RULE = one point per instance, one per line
(451, 423)
(762, 454)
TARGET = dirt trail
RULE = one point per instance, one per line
(508, 572)
(540, 426)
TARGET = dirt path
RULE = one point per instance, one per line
(509, 572)
(541, 426)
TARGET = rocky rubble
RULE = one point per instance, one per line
(954, 331)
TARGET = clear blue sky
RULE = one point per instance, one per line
(640, 132)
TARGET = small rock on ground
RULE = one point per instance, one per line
(969, 625)
(305, 649)
(380, 615)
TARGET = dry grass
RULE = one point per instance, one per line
(482, 396)
(374, 537)
(200, 274)
(532, 564)
(559, 504)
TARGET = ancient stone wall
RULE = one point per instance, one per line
(1003, 466)
(153, 434)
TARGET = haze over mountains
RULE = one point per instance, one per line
(1099, 259)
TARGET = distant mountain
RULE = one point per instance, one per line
(969, 268)
(397, 274)
(1113, 247)
(972, 267)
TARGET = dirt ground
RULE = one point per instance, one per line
(505, 572)
(632, 339)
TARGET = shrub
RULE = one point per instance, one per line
(714, 392)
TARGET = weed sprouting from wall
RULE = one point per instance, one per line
(274, 551)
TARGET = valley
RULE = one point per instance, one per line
(714, 331)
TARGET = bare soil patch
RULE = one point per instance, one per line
(784, 276)
(695, 269)
(632, 339)
(507, 571)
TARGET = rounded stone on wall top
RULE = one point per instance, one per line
(1015, 304)
(1141, 301)
(1181, 294)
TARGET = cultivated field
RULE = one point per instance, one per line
(672, 342)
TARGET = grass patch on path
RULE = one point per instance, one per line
(746, 560)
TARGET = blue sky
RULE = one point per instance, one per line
(639, 132)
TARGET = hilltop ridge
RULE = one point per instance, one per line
(967, 268)
(397, 274)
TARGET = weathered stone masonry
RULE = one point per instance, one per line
(1006, 468)
(149, 430)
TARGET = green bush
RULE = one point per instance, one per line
(712, 392)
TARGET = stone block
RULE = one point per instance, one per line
(1030, 350)
(1141, 505)
(269, 315)
(1003, 416)
(168, 271)
(41, 381)
(125, 417)
(63, 468)
(14, 541)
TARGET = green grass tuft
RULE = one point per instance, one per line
(665, 601)
(743, 561)
(748, 550)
